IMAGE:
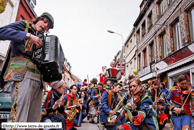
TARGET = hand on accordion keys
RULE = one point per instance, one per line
(34, 39)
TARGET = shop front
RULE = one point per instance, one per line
(187, 70)
(180, 62)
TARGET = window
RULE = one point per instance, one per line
(145, 57)
(135, 63)
(131, 67)
(191, 23)
(150, 21)
(143, 29)
(131, 46)
(139, 61)
(177, 36)
(152, 52)
(138, 36)
(160, 8)
(163, 45)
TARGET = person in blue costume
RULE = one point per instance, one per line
(158, 102)
(163, 89)
(108, 103)
(139, 108)
(71, 102)
(95, 102)
(84, 102)
(26, 93)
(53, 104)
(91, 87)
(178, 100)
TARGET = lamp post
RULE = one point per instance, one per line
(122, 50)
(117, 34)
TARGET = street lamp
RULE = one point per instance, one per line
(121, 41)
(117, 34)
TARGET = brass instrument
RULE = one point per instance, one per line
(110, 117)
(73, 110)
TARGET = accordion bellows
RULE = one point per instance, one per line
(113, 73)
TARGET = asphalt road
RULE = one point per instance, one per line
(93, 126)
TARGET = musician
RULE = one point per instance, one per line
(108, 85)
(83, 101)
(108, 103)
(53, 104)
(141, 114)
(95, 102)
(103, 78)
(27, 90)
(112, 79)
(158, 101)
(163, 89)
(91, 87)
(149, 85)
(178, 100)
(70, 100)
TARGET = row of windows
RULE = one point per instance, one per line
(175, 36)
(160, 11)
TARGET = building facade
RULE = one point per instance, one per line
(8, 16)
(165, 40)
(130, 54)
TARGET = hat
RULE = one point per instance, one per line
(49, 18)
(57, 84)
(78, 84)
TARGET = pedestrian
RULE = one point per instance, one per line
(26, 93)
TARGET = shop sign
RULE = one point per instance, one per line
(177, 56)
(144, 71)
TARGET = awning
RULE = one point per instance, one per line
(176, 64)
(148, 76)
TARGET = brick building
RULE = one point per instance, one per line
(165, 40)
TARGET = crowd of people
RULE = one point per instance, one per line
(134, 106)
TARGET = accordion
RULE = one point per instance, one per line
(113, 73)
(49, 58)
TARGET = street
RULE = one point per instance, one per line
(93, 126)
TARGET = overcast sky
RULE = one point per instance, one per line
(82, 25)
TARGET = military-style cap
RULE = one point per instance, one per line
(49, 18)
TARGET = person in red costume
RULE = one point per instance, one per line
(103, 78)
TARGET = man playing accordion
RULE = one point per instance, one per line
(112, 74)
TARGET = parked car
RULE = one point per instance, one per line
(5, 103)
